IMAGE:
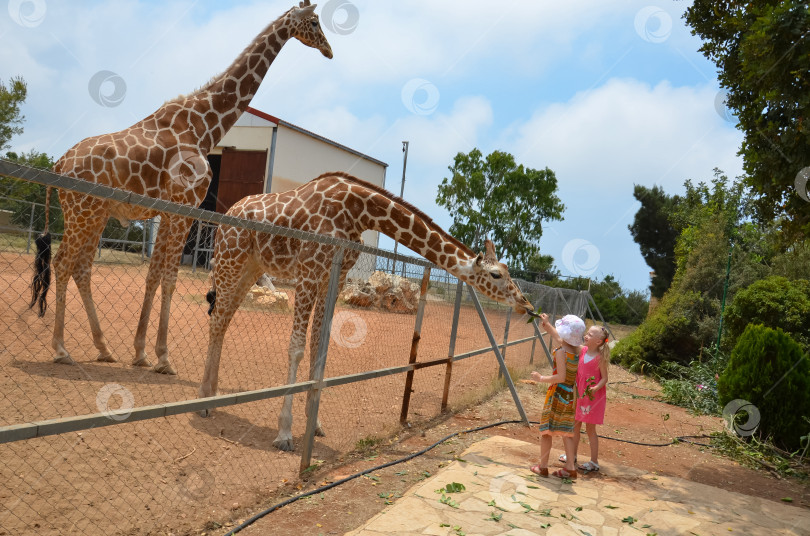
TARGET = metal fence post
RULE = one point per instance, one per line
(605, 324)
(448, 371)
(314, 398)
(553, 314)
(417, 335)
(498, 355)
(196, 248)
(30, 228)
(539, 335)
(143, 243)
(506, 335)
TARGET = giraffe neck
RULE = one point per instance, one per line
(224, 98)
(413, 229)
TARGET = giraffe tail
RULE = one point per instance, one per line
(42, 264)
(42, 273)
(211, 298)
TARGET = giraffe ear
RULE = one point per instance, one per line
(479, 259)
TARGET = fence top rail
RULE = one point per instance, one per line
(48, 178)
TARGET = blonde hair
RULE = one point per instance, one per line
(604, 348)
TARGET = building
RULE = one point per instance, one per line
(262, 153)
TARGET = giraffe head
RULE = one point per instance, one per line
(492, 278)
(305, 26)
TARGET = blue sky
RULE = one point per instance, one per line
(606, 94)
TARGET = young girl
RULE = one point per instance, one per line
(560, 404)
(592, 378)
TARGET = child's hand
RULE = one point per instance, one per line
(536, 376)
(543, 318)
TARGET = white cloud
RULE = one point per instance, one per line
(627, 132)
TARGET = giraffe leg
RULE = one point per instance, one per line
(232, 280)
(174, 250)
(152, 282)
(63, 271)
(163, 271)
(75, 259)
(315, 337)
(314, 342)
(304, 300)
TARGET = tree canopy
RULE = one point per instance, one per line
(655, 234)
(496, 197)
(11, 98)
(762, 52)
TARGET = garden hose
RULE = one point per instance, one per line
(263, 513)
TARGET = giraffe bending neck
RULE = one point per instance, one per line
(403, 222)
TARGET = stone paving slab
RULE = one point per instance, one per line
(502, 497)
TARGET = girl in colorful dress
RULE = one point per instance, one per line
(560, 405)
(592, 378)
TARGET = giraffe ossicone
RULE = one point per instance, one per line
(334, 204)
(163, 156)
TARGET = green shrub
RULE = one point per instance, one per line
(677, 330)
(693, 386)
(769, 369)
(775, 302)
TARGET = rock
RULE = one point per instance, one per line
(383, 291)
(359, 295)
(265, 297)
(381, 282)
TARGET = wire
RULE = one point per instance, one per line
(263, 513)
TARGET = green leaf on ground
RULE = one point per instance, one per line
(629, 520)
(448, 501)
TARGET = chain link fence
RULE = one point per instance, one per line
(108, 448)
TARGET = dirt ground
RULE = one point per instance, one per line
(635, 419)
(176, 474)
(189, 475)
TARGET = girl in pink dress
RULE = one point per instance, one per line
(592, 378)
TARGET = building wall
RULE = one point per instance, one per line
(300, 158)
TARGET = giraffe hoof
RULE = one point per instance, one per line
(64, 360)
(319, 432)
(164, 368)
(141, 362)
(205, 413)
(284, 444)
(106, 358)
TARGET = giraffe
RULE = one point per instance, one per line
(340, 205)
(163, 156)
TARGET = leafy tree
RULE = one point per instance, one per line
(538, 268)
(11, 98)
(762, 52)
(496, 197)
(655, 234)
(17, 195)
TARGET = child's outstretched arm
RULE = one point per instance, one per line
(551, 330)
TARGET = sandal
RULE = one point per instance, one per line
(539, 471)
(565, 473)
(589, 467)
(563, 458)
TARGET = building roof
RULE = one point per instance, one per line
(277, 121)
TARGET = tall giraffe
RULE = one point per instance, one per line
(163, 156)
(339, 205)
